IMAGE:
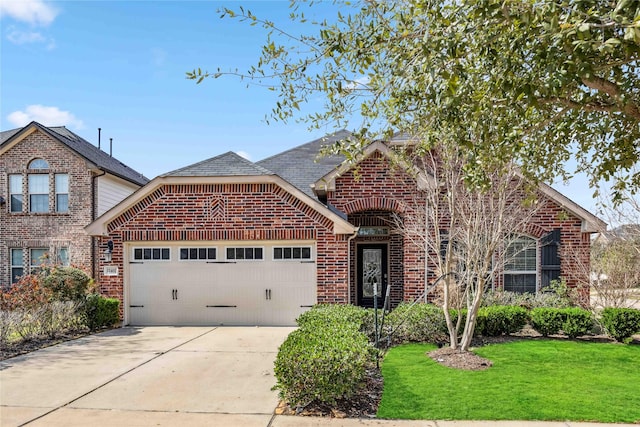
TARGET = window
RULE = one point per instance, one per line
(151, 254)
(197, 253)
(15, 193)
(17, 264)
(38, 164)
(38, 193)
(63, 257)
(62, 192)
(373, 231)
(244, 254)
(294, 252)
(38, 258)
(520, 270)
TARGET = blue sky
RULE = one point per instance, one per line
(120, 66)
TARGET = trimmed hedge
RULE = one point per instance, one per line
(323, 361)
(500, 320)
(101, 311)
(577, 322)
(546, 320)
(621, 323)
(416, 323)
(67, 283)
(331, 314)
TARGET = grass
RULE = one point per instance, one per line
(529, 380)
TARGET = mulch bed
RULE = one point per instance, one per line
(27, 346)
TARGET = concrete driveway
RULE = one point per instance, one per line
(146, 376)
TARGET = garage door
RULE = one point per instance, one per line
(220, 284)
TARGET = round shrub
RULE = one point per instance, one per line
(500, 320)
(577, 321)
(321, 364)
(67, 283)
(547, 321)
(416, 323)
(621, 323)
(322, 315)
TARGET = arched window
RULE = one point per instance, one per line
(521, 265)
(38, 164)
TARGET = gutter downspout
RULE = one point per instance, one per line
(94, 201)
(353, 236)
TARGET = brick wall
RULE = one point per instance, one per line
(374, 190)
(231, 212)
(45, 230)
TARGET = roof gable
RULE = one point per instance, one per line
(227, 164)
(76, 144)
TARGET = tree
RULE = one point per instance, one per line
(536, 82)
(468, 234)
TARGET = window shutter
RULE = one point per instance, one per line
(550, 257)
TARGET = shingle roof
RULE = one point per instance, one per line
(227, 164)
(302, 166)
(84, 148)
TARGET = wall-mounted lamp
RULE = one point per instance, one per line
(108, 251)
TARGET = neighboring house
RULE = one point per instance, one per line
(228, 241)
(53, 183)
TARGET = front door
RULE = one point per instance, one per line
(372, 273)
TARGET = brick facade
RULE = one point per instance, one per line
(229, 212)
(45, 230)
(369, 195)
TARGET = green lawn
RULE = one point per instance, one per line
(529, 380)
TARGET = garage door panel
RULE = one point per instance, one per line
(179, 292)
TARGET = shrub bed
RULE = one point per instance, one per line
(576, 321)
(500, 320)
(416, 323)
(621, 323)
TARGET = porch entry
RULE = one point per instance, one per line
(371, 273)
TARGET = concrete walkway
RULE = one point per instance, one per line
(165, 376)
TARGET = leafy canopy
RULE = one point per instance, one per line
(534, 81)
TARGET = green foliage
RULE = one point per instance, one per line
(416, 323)
(329, 314)
(67, 283)
(577, 322)
(621, 323)
(545, 380)
(101, 311)
(322, 362)
(557, 295)
(547, 320)
(500, 320)
(504, 81)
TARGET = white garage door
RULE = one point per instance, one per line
(219, 283)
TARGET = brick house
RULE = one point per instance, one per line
(52, 184)
(228, 241)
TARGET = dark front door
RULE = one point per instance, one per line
(372, 273)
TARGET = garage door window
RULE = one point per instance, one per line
(151, 254)
(245, 254)
(292, 253)
(197, 254)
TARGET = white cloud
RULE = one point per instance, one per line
(21, 37)
(35, 12)
(244, 154)
(48, 116)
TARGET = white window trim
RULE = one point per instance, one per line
(56, 193)
(244, 259)
(29, 193)
(21, 193)
(13, 266)
(310, 247)
(197, 259)
(134, 259)
(535, 272)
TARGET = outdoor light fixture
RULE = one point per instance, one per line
(108, 251)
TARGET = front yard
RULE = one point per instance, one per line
(536, 379)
